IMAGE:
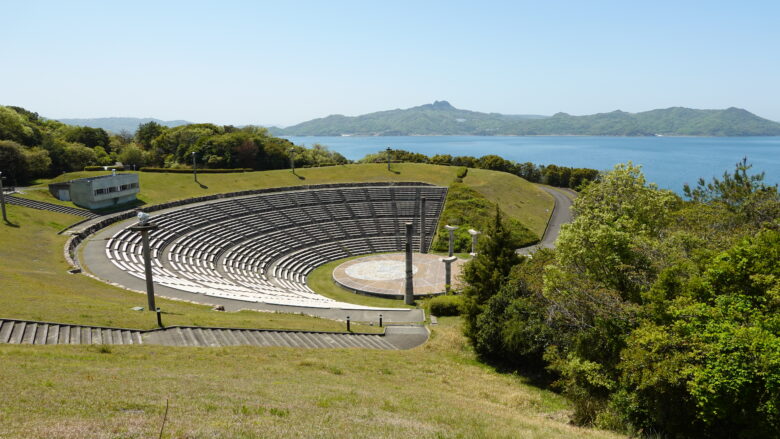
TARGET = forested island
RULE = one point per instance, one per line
(441, 118)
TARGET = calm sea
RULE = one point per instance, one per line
(668, 161)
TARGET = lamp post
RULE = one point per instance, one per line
(2, 197)
(409, 278)
(194, 167)
(144, 227)
(474, 234)
(451, 229)
(389, 151)
(422, 226)
(292, 160)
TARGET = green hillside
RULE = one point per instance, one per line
(438, 118)
(441, 118)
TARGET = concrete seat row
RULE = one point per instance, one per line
(262, 247)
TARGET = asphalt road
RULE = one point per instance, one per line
(561, 215)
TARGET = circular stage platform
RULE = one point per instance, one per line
(383, 275)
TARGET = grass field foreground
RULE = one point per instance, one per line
(434, 391)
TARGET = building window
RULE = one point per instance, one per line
(100, 191)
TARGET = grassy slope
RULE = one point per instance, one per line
(434, 391)
(519, 198)
(34, 284)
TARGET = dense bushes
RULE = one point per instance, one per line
(653, 314)
(468, 209)
(442, 306)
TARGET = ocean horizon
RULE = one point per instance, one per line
(669, 162)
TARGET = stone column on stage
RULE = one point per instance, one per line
(474, 235)
(451, 229)
(448, 272)
(409, 283)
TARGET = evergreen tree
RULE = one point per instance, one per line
(487, 272)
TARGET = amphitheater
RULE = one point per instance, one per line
(254, 250)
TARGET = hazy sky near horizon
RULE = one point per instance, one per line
(234, 62)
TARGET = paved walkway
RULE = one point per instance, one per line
(32, 332)
(561, 215)
(40, 205)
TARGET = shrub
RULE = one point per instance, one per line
(442, 306)
(462, 171)
(104, 168)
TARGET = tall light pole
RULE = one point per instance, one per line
(2, 197)
(292, 160)
(144, 227)
(409, 278)
(422, 226)
(389, 151)
(194, 167)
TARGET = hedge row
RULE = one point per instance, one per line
(200, 171)
(103, 168)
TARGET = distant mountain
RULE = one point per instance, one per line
(117, 124)
(441, 118)
(431, 119)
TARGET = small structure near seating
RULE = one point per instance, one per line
(98, 192)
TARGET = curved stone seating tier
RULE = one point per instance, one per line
(260, 248)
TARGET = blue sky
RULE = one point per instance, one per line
(286, 62)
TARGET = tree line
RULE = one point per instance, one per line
(654, 314)
(559, 176)
(33, 147)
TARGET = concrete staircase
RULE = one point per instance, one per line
(31, 332)
(40, 205)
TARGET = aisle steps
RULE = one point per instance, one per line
(30, 332)
(40, 205)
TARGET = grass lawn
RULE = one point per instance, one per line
(517, 197)
(437, 390)
(34, 284)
